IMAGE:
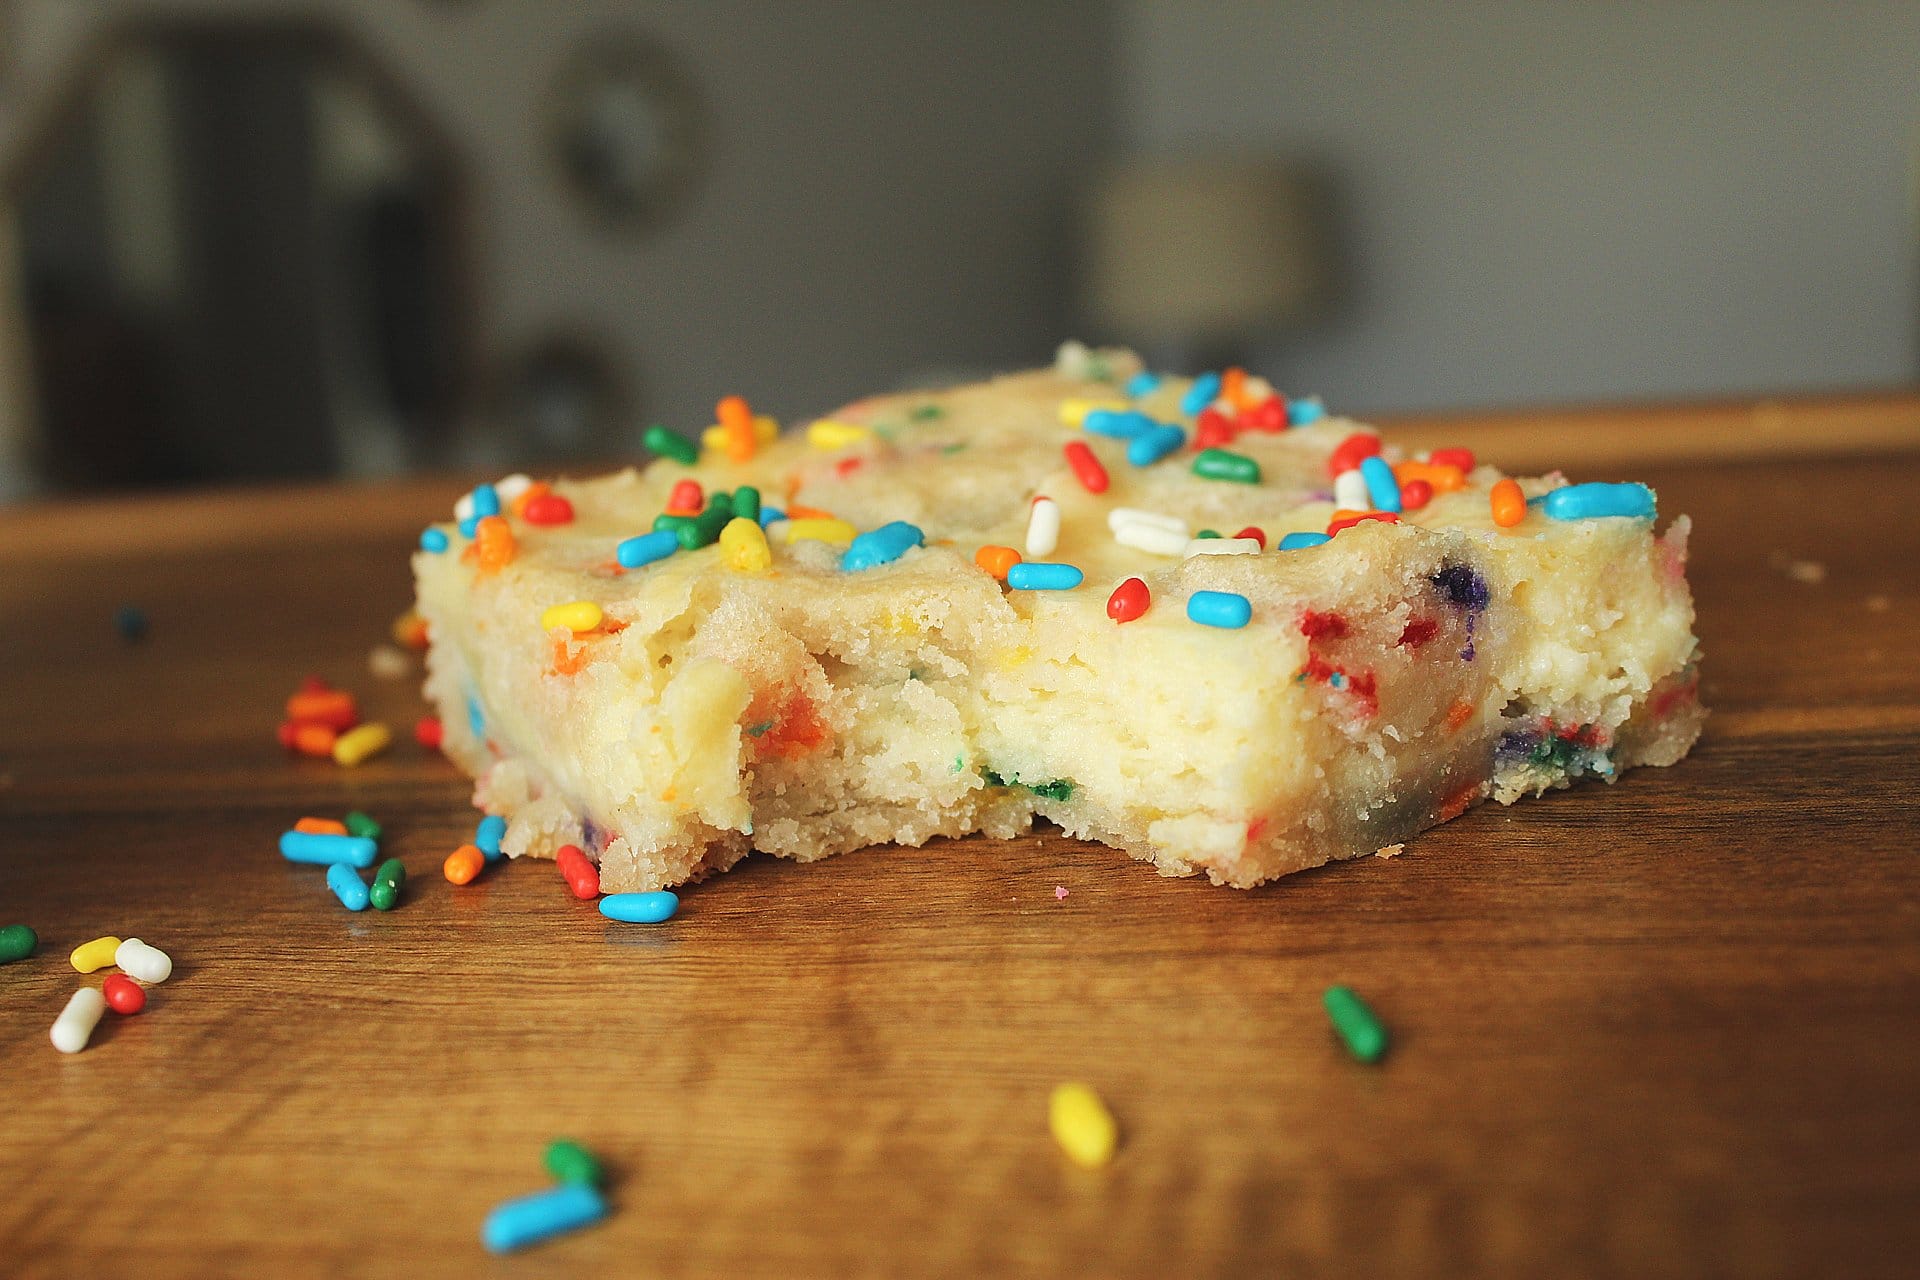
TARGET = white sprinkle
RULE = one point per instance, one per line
(463, 507)
(1350, 491)
(149, 964)
(512, 487)
(1072, 360)
(1222, 547)
(1043, 527)
(1152, 539)
(1133, 515)
(389, 663)
(74, 1027)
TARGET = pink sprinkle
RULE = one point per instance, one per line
(1059, 892)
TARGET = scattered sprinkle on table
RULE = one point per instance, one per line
(1365, 1037)
(1059, 893)
(1082, 1125)
(541, 1216)
(17, 942)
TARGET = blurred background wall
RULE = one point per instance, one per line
(260, 238)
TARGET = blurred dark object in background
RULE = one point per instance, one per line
(236, 240)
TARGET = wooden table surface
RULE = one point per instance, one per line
(1667, 1027)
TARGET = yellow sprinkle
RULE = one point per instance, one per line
(1082, 1125)
(357, 746)
(576, 616)
(744, 547)
(97, 954)
(828, 434)
(1074, 412)
(765, 431)
(824, 530)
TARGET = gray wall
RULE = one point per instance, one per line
(891, 187)
(1573, 201)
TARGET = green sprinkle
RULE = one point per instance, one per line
(671, 444)
(927, 413)
(17, 942)
(951, 449)
(704, 529)
(959, 764)
(675, 523)
(1366, 1038)
(1207, 533)
(755, 730)
(746, 503)
(1222, 464)
(719, 501)
(1058, 789)
(359, 824)
(570, 1162)
(387, 879)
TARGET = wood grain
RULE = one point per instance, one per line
(1665, 1028)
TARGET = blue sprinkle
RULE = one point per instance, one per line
(476, 718)
(1305, 411)
(432, 539)
(486, 502)
(1119, 424)
(321, 849)
(131, 622)
(1592, 501)
(640, 908)
(1301, 541)
(347, 886)
(1154, 444)
(1226, 609)
(487, 836)
(541, 1216)
(1142, 384)
(632, 553)
(1039, 575)
(1383, 490)
(769, 514)
(1204, 391)
(881, 546)
(469, 526)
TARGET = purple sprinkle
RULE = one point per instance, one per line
(1461, 585)
(1518, 744)
(591, 836)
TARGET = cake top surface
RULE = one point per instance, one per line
(1161, 478)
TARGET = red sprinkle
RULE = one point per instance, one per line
(686, 499)
(847, 466)
(1269, 415)
(1128, 601)
(334, 708)
(1352, 451)
(123, 994)
(1212, 429)
(1417, 632)
(1255, 532)
(582, 877)
(428, 732)
(1461, 458)
(1347, 522)
(548, 508)
(1322, 626)
(1086, 466)
(287, 731)
(1415, 494)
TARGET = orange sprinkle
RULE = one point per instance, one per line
(493, 540)
(321, 826)
(1509, 504)
(1460, 801)
(314, 740)
(538, 489)
(1443, 478)
(410, 631)
(1233, 387)
(1347, 519)
(463, 864)
(1458, 714)
(996, 560)
(798, 512)
(736, 419)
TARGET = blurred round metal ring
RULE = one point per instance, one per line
(627, 132)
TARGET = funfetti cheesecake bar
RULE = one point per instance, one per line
(1192, 619)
